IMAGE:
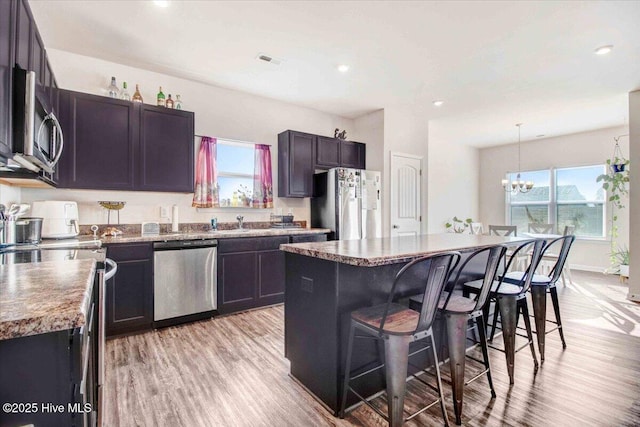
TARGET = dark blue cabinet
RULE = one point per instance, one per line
(7, 48)
(129, 296)
(113, 144)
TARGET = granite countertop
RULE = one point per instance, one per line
(391, 250)
(44, 297)
(221, 234)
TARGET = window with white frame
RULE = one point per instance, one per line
(235, 163)
(563, 196)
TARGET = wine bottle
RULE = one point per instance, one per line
(169, 103)
(160, 98)
(136, 95)
(178, 103)
(113, 89)
(124, 94)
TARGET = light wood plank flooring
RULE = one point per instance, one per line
(230, 371)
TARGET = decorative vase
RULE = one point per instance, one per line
(624, 270)
(618, 167)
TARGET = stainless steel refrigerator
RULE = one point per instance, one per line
(347, 201)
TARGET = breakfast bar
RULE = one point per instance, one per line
(326, 281)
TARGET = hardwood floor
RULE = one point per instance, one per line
(230, 371)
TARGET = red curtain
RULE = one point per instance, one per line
(206, 191)
(262, 181)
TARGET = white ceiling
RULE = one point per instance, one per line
(493, 63)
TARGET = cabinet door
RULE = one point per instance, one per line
(236, 281)
(129, 304)
(271, 276)
(166, 150)
(295, 164)
(23, 35)
(327, 152)
(352, 155)
(7, 31)
(37, 56)
(100, 142)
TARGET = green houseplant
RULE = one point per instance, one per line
(615, 183)
(458, 225)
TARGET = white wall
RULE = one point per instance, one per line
(406, 130)
(218, 112)
(453, 180)
(586, 148)
(9, 195)
(634, 233)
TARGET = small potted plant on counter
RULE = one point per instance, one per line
(458, 225)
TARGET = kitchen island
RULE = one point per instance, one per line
(326, 281)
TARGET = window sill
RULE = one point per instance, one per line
(233, 209)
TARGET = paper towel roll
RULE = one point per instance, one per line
(174, 219)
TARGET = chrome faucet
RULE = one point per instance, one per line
(240, 219)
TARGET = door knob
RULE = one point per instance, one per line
(396, 226)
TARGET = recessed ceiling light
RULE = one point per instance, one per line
(603, 50)
(161, 3)
(343, 68)
(438, 103)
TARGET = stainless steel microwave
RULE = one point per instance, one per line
(37, 135)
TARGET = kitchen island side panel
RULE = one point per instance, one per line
(319, 297)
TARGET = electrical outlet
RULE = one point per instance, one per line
(164, 213)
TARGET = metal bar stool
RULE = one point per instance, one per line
(541, 285)
(398, 326)
(511, 300)
(458, 311)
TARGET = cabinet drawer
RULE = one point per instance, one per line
(245, 244)
(129, 251)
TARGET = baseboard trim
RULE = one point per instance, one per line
(587, 268)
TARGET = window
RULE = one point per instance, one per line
(534, 205)
(235, 162)
(564, 196)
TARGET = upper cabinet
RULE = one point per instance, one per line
(295, 164)
(300, 154)
(352, 155)
(111, 144)
(166, 150)
(100, 142)
(21, 46)
(7, 47)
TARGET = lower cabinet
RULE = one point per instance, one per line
(129, 303)
(51, 378)
(250, 273)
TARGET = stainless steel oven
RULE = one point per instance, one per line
(37, 135)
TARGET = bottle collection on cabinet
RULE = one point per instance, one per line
(161, 100)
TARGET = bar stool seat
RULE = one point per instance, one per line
(506, 288)
(400, 319)
(516, 277)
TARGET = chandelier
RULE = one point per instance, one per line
(517, 185)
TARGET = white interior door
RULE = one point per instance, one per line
(406, 188)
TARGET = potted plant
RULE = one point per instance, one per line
(458, 225)
(615, 183)
(621, 257)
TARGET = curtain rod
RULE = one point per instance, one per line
(234, 140)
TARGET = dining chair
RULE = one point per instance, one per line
(539, 228)
(477, 228)
(503, 230)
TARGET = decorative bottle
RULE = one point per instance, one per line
(178, 103)
(136, 95)
(160, 98)
(113, 89)
(169, 102)
(124, 94)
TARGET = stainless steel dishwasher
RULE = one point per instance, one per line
(184, 280)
